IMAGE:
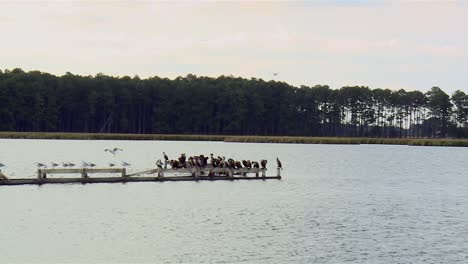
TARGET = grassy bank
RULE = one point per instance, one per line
(105, 136)
(349, 140)
(247, 139)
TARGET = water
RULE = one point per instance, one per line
(335, 204)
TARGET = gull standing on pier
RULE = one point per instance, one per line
(159, 163)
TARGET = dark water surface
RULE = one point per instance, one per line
(335, 204)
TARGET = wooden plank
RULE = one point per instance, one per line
(125, 179)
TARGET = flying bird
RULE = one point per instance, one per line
(113, 151)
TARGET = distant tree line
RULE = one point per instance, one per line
(36, 101)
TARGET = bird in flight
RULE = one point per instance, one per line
(113, 151)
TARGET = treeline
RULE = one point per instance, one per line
(36, 101)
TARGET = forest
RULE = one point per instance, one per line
(226, 105)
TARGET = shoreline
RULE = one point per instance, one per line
(239, 139)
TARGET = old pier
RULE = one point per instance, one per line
(45, 176)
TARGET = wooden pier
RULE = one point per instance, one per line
(153, 175)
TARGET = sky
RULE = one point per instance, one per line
(397, 44)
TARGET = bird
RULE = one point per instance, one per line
(71, 164)
(165, 156)
(275, 74)
(280, 166)
(125, 164)
(88, 164)
(53, 164)
(113, 151)
(159, 163)
(40, 165)
(111, 164)
(263, 163)
(2, 165)
(65, 164)
(255, 164)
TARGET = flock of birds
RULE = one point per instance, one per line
(200, 161)
(84, 164)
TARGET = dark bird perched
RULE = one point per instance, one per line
(165, 157)
(175, 164)
(255, 164)
(159, 163)
(249, 164)
(111, 164)
(238, 165)
(203, 160)
(244, 162)
(212, 160)
(190, 162)
(263, 163)
(231, 163)
(125, 164)
(279, 164)
(182, 158)
(53, 164)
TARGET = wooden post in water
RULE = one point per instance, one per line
(3, 177)
(263, 173)
(39, 174)
(84, 173)
(124, 172)
(278, 172)
(160, 173)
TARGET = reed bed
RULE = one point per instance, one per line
(246, 139)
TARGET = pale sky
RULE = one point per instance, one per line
(381, 44)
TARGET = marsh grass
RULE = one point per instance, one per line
(246, 139)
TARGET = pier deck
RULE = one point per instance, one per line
(153, 175)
